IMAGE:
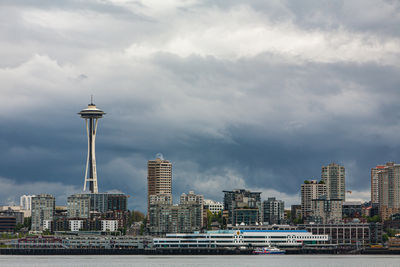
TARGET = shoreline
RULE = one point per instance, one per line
(191, 251)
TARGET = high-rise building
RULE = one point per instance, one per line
(295, 212)
(26, 202)
(91, 114)
(161, 198)
(310, 190)
(389, 190)
(192, 197)
(103, 202)
(43, 207)
(273, 211)
(159, 178)
(78, 206)
(326, 211)
(167, 218)
(375, 182)
(334, 177)
(242, 207)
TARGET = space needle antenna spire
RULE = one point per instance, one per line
(91, 114)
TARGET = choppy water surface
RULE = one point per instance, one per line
(210, 261)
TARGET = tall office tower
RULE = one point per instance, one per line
(273, 211)
(159, 178)
(43, 208)
(334, 177)
(26, 202)
(310, 190)
(91, 114)
(389, 190)
(374, 182)
(242, 206)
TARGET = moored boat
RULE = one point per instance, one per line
(268, 250)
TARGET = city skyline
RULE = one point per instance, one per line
(291, 88)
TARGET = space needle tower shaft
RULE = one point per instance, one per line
(91, 114)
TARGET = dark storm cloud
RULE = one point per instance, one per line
(254, 95)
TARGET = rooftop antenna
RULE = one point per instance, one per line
(91, 99)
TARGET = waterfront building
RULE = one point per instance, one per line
(159, 178)
(273, 211)
(82, 240)
(167, 218)
(109, 225)
(183, 218)
(263, 227)
(350, 234)
(242, 206)
(240, 238)
(213, 206)
(190, 217)
(43, 207)
(78, 206)
(163, 218)
(310, 190)
(334, 177)
(91, 114)
(326, 211)
(389, 190)
(26, 202)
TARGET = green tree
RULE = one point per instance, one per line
(46, 232)
(298, 221)
(18, 227)
(375, 218)
(385, 237)
(143, 226)
(391, 232)
(28, 222)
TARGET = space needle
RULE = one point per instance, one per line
(91, 114)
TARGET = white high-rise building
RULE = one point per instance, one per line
(26, 202)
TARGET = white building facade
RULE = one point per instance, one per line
(109, 225)
(213, 206)
(75, 225)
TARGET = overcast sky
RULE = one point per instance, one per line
(236, 94)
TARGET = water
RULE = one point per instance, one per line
(209, 261)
